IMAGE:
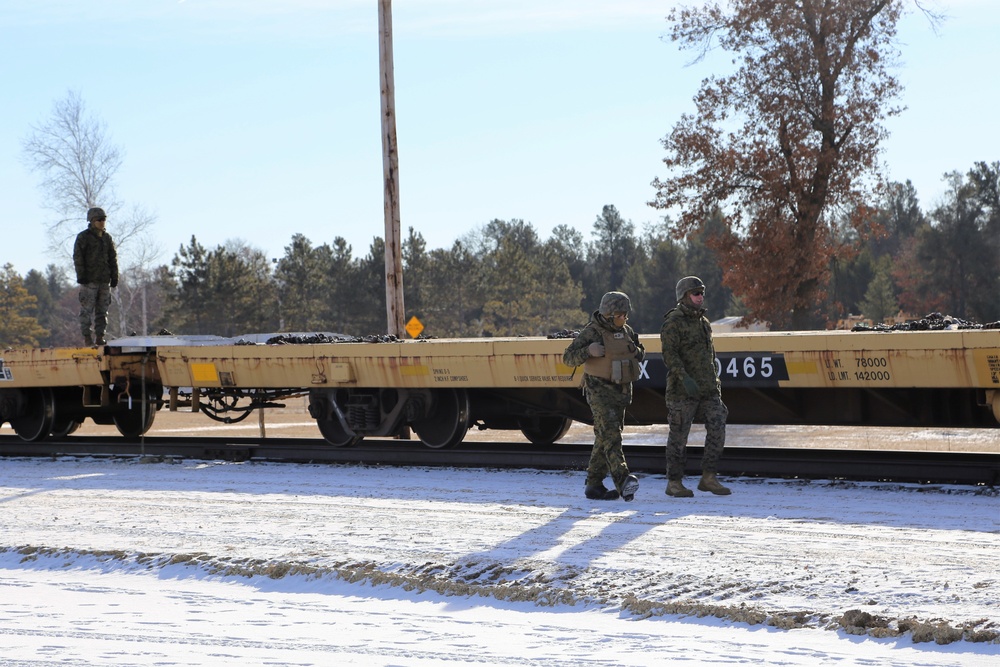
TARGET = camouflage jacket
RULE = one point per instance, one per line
(576, 353)
(686, 339)
(95, 258)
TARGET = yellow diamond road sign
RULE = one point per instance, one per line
(414, 327)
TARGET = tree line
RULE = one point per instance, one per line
(504, 279)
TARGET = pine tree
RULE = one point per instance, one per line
(880, 298)
(18, 325)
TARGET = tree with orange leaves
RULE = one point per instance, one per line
(787, 146)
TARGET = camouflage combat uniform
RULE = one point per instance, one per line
(96, 262)
(608, 401)
(686, 339)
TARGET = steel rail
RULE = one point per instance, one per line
(981, 469)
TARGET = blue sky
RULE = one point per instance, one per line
(259, 119)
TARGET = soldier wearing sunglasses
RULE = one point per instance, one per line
(693, 389)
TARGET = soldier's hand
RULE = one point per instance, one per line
(596, 350)
(690, 386)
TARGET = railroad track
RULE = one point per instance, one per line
(781, 462)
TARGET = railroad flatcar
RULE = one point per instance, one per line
(439, 389)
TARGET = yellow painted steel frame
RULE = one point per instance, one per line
(942, 359)
(871, 374)
(52, 367)
(487, 362)
(830, 359)
(939, 359)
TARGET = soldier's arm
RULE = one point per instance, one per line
(670, 341)
(640, 350)
(113, 262)
(576, 353)
(78, 260)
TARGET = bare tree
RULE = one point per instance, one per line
(78, 162)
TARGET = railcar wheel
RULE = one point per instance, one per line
(449, 421)
(40, 410)
(60, 428)
(544, 430)
(131, 423)
(336, 435)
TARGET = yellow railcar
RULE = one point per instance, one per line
(440, 388)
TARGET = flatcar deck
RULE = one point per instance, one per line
(442, 388)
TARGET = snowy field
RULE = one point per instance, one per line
(117, 562)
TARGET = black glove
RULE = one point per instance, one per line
(690, 386)
(114, 283)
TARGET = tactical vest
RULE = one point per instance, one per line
(618, 363)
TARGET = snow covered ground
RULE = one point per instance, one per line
(117, 562)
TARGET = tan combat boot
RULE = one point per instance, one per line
(710, 483)
(676, 489)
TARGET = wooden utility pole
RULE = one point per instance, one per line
(390, 169)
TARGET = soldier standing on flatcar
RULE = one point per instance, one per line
(693, 388)
(610, 352)
(96, 262)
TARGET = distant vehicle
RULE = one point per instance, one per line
(730, 324)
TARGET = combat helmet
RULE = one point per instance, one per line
(686, 284)
(615, 302)
(95, 214)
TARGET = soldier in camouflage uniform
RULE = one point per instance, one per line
(96, 262)
(610, 352)
(693, 388)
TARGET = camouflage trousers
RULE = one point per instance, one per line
(95, 299)
(713, 412)
(607, 403)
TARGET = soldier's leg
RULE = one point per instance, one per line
(607, 441)
(597, 467)
(103, 302)
(613, 454)
(680, 416)
(88, 301)
(716, 413)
